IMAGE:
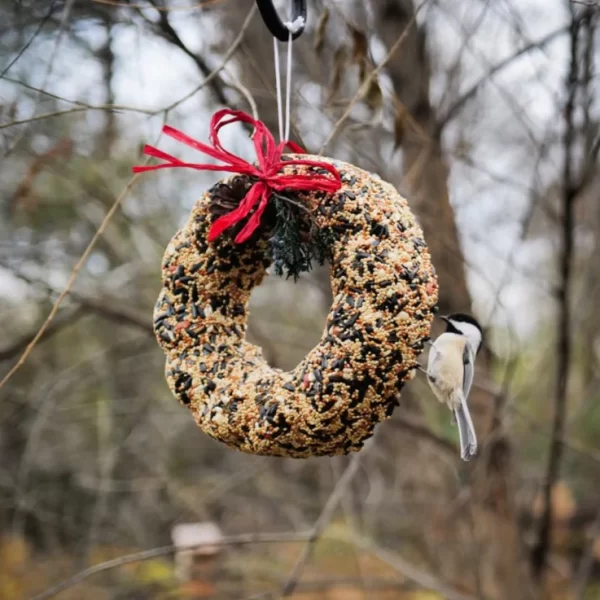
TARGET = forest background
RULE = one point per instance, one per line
(485, 114)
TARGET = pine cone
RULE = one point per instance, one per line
(226, 197)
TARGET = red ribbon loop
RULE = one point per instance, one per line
(268, 155)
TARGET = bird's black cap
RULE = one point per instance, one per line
(460, 318)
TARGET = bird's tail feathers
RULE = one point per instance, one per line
(466, 430)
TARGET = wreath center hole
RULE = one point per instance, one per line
(287, 319)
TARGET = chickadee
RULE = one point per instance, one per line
(450, 370)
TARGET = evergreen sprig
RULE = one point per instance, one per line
(296, 240)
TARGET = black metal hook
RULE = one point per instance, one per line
(273, 22)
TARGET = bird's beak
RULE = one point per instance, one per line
(443, 318)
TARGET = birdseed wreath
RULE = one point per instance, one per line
(301, 208)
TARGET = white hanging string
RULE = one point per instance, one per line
(288, 86)
(284, 123)
(278, 87)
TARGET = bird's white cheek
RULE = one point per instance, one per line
(471, 333)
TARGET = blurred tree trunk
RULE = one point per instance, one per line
(426, 176)
(425, 172)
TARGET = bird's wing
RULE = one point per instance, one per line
(468, 370)
(434, 359)
(433, 353)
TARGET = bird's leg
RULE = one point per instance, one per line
(422, 369)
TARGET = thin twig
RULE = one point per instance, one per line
(234, 540)
(28, 43)
(237, 85)
(472, 91)
(234, 46)
(324, 518)
(184, 7)
(62, 27)
(76, 109)
(564, 347)
(453, 73)
(363, 89)
(38, 90)
(166, 30)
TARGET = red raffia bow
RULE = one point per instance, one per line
(267, 172)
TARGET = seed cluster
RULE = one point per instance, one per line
(385, 293)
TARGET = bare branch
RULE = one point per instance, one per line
(76, 109)
(234, 540)
(63, 26)
(198, 5)
(564, 346)
(30, 41)
(324, 518)
(38, 90)
(165, 29)
(237, 85)
(472, 91)
(215, 72)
